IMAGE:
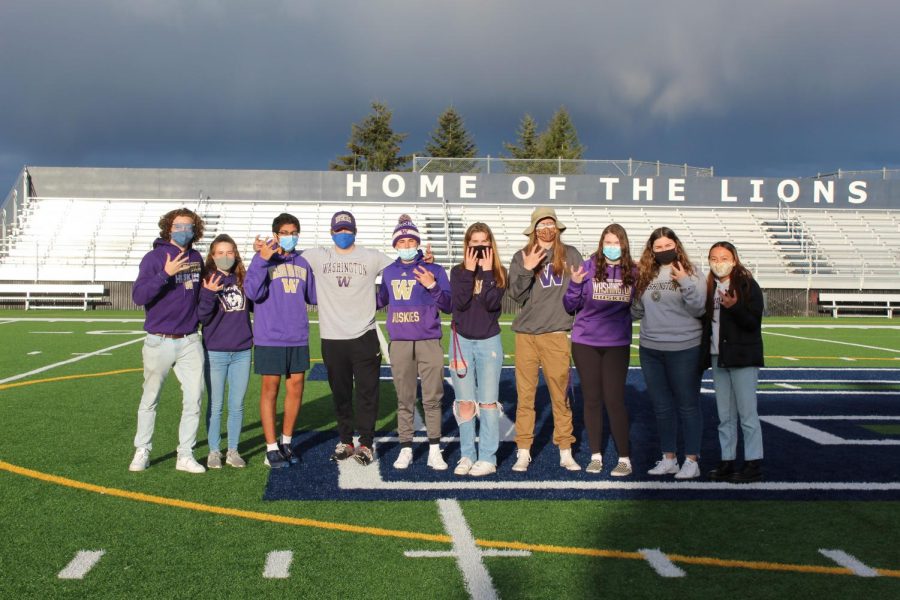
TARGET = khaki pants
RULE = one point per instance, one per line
(424, 358)
(549, 351)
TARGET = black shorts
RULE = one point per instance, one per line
(280, 360)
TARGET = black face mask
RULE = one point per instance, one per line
(666, 256)
(479, 251)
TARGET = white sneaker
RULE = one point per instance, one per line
(566, 461)
(482, 468)
(523, 457)
(689, 470)
(463, 466)
(404, 459)
(140, 461)
(436, 459)
(189, 464)
(666, 466)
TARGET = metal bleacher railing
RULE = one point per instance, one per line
(555, 166)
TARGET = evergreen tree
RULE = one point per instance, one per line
(526, 147)
(560, 140)
(373, 144)
(451, 140)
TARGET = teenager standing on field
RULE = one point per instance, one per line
(168, 287)
(538, 278)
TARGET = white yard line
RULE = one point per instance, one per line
(848, 561)
(490, 552)
(809, 339)
(793, 425)
(468, 557)
(278, 564)
(661, 563)
(83, 562)
(382, 341)
(71, 360)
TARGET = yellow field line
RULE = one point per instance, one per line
(7, 386)
(414, 535)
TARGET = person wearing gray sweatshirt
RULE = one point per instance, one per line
(538, 278)
(670, 301)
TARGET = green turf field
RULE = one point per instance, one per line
(66, 441)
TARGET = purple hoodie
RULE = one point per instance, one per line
(226, 317)
(603, 310)
(476, 316)
(413, 310)
(280, 290)
(170, 302)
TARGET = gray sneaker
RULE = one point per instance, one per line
(623, 469)
(214, 460)
(595, 466)
(234, 459)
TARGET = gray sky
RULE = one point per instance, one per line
(758, 88)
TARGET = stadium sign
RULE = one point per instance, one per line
(586, 189)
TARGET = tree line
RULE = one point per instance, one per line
(375, 146)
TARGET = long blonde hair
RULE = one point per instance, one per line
(499, 271)
(559, 250)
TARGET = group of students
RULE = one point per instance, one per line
(688, 323)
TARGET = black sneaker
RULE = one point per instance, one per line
(363, 455)
(342, 452)
(276, 460)
(288, 453)
(751, 473)
(722, 472)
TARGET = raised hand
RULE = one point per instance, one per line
(428, 256)
(258, 244)
(728, 299)
(678, 271)
(487, 259)
(424, 276)
(532, 260)
(471, 259)
(176, 264)
(268, 249)
(579, 274)
(214, 283)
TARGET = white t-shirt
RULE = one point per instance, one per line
(721, 288)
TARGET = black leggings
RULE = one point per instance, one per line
(602, 372)
(358, 359)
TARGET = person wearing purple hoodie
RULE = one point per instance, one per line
(227, 339)
(415, 292)
(168, 287)
(280, 284)
(600, 293)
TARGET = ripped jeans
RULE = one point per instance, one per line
(480, 386)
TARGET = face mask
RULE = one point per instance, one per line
(343, 240)
(721, 269)
(666, 256)
(408, 254)
(287, 242)
(183, 238)
(612, 252)
(546, 235)
(224, 263)
(480, 251)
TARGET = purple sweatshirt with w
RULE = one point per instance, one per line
(226, 317)
(280, 289)
(413, 310)
(602, 310)
(170, 301)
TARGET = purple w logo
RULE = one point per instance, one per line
(343, 281)
(548, 279)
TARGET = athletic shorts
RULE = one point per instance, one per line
(280, 360)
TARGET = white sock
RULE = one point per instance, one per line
(434, 448)
(625, 460)
(597, 456)
(286, 439)
(270, 447)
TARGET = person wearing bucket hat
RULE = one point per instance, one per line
(538, 279)
(415, 293)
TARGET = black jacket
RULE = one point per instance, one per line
(740, 332)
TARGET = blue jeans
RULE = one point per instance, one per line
(233, 367)
(736, 399)
(673, 383)
(481, 385)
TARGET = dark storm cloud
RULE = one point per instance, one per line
(768, 88)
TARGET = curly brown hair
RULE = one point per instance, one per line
(238, 269)
(648, 268)
(165, 223)
(626, 262)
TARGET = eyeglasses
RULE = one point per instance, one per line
(289, 233)
(541, 226)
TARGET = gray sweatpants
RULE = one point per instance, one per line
(425, 359)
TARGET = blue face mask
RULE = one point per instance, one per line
(408, 254)
(287, 242)
(612, 252)
(183, 238)
(343, 240)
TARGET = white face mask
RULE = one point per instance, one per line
(721, 269)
